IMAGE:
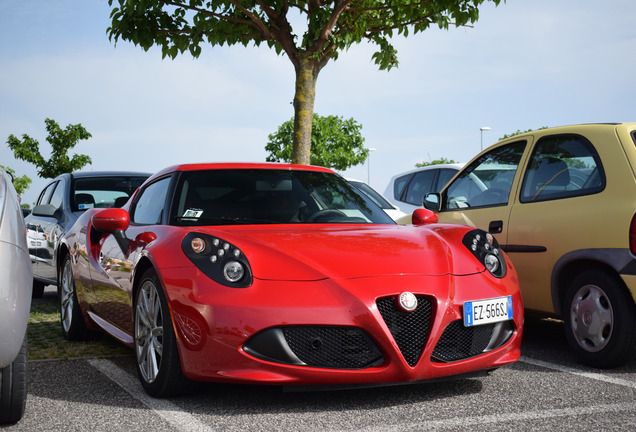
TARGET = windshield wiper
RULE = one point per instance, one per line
(223, 220)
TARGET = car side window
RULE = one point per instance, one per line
(148, 208)
(46, 194)
(488, 180)
(399, 185)
(58, 195)
(445, 175)
(562, 166)
(420, 185)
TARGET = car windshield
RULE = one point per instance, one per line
(104, 192)
(270, 196)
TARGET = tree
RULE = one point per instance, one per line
(19, 183)
(435, 162)
(336, 143)
(61, 141)
(332, 26)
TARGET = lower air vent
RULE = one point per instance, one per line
(459, 342)
(333, 347)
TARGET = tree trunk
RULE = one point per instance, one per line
(306, 76)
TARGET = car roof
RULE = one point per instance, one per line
(573, 128)
(85, 174)
(240, 165)
(455, 166)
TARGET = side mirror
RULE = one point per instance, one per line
(432, 201)
(424, 217)
(46, 210)
(113, 221)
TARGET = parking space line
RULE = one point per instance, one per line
(170, 412)
(183, 421)
(579, 372)
(470, 423)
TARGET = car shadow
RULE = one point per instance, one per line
(77, 381)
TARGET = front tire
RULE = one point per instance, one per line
(73, 326)
(156, 352)
(13, 388)
(600, 319)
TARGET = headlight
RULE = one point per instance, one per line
(486, 249)
(219, 260)
(233, 271)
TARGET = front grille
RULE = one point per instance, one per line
(409, 329)
(332, 346)
(459, 342)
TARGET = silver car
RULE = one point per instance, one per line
(16, 275)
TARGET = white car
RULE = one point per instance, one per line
(389, 208)
(406, 190)
(16, 276)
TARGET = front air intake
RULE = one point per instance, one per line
(410, 330)
(459, 342)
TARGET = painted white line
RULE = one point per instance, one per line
(170, 412)
(579, 372)
(469, 423)
(509, 418)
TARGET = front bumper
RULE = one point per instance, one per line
(339, 332)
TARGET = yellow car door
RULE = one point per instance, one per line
(483, 194)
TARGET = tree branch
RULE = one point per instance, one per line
(207, 12)
(256, 20)
(339, 7)
(282, 32)
(253, 20)
(389, 7)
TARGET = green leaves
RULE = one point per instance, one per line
(61, 141)
(435, 162)
(19, 183)
(335, 143)
(331, 27)
(326, 29)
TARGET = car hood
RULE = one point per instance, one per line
(319, 252)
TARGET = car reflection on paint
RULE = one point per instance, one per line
(57, 208)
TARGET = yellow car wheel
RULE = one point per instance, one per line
(600, 319)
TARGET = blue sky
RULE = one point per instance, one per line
(525, 64)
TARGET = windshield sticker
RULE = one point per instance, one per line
(193, 213)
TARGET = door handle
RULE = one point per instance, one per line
(495, 227)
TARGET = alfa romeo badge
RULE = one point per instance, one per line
(407, 301)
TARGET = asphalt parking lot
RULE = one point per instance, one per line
(545, 390)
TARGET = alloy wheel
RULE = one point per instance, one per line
(149, 331)
(67, 296)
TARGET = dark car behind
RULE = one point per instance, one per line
(59, 205)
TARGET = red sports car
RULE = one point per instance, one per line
(287, 275)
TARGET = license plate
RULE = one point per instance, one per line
(487, 311)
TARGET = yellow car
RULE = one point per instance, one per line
(561, 203)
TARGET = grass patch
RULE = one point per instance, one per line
(46, 341)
